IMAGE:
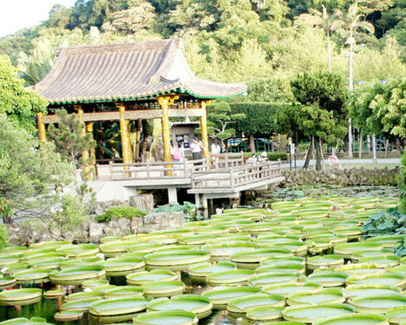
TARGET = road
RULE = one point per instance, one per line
(343, 162)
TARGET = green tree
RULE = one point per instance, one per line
(389, 111)
(353, 21)
(323, 19)
(35, 66)
(69, 138)
(28, 170)
(260, 119)
(19, 104)
(219, 117)
(271, 90)
(322, 113)
(139, 16)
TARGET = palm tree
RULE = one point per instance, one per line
(328, 22)
(353, 21)
(34, 67)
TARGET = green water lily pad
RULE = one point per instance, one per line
(264, 313)
(163, 289)
(32, 275)
(396, 315)
(123, 291)
(158, 275)
(354, 319)
(325, 261)
(265, 279)
(84, 296)
(285, 289)
(68, 315)
(121, 266)
(231, 277)
(200, 271)
(7, 281)
(176, 260)
(255, 257)
(54, 294)
(394, 279)
(15, 321)
(199, 305)
(20, 294)
(356, 290)
(118, 306)
(242, 305)
(349, 249)
(290, 268)
(175, 317)
(310, 314)
(92, 284)
(324, 296)
(77, 275)
(81, 304)
(328, 278)
(377, 304)
(220, 296)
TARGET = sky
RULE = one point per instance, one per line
(18, 14)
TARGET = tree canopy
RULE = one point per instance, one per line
(18, 104)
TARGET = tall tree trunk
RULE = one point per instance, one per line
(252, 143)
(318, 154)
(309, 153)
(361, 142)
(329, 51)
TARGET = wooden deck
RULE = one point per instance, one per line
(227, 177)
(237, 179)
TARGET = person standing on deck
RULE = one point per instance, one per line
(197, 147)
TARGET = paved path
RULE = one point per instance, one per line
(343, 162)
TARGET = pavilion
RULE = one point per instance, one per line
(129, 82)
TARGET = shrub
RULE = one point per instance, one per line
(3, 237)
(69, 214)
(121, 212)
(188, 208)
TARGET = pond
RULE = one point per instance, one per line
(245, 266)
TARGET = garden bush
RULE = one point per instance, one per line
(3, 237)
(188, 208)
(121, 212)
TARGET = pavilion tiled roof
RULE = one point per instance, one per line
(127, 71)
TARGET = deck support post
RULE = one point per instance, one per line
(172, 195)
(201, 205)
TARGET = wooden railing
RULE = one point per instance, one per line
(235, 177)
(227, 160)
(156, 170)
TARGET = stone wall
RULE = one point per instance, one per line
(92, 232)
(342, 177)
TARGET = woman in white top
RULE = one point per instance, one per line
(196, 149)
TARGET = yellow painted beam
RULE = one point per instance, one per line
(125, 145)
(164, 103)
(92, 152)
(41, 127)
(205, 138)
(130, 147)
(85, 153)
